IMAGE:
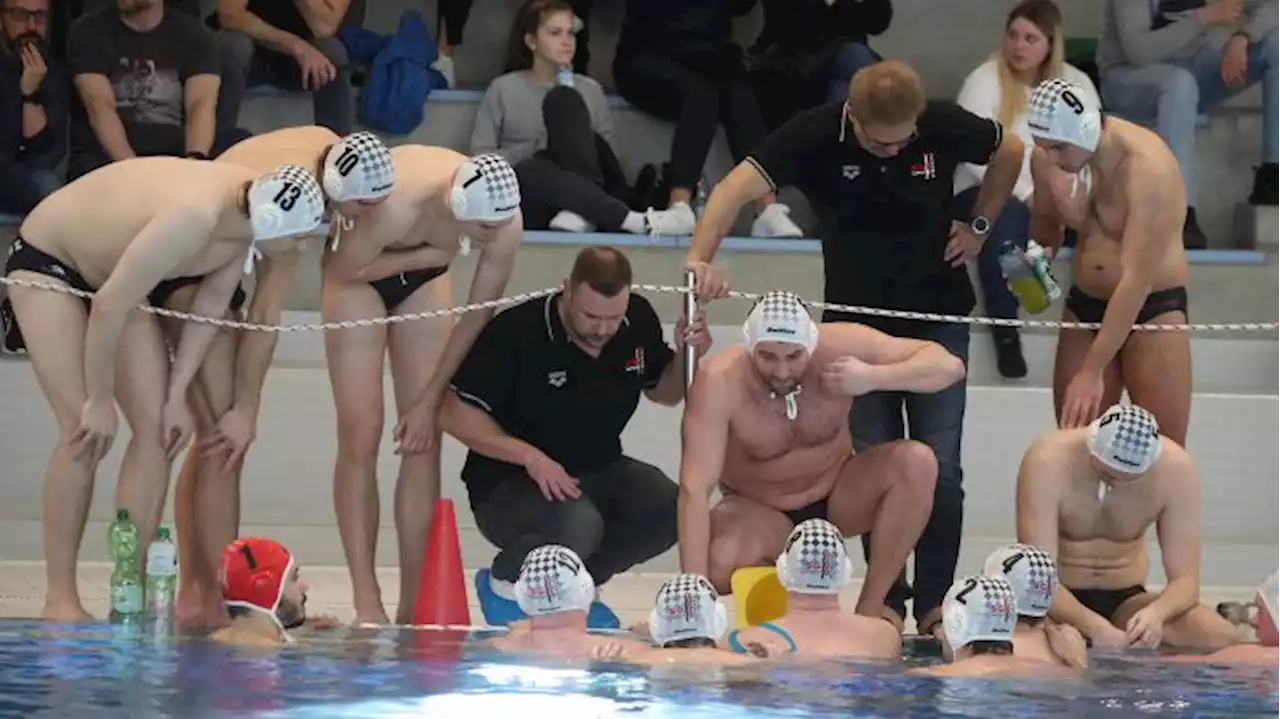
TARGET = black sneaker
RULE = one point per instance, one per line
(1009, 359)
(1192, 236)
(1266, 186)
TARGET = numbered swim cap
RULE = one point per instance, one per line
(485, 190)
(780, 316)
(1126, 438)
(687, 607)
(1059, 111)
(814, 560)
(1031, 572)
(253, 573)
(358, 167)
(978, 609)
(552, 580)
(284, 203)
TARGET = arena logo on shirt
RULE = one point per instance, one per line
(926, 168)
(850, 172)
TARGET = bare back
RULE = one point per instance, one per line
(302, 146)
(783, 463)
(985, 665)
(1032, 644)
(837, 634)
(568, 644)
(91, 222)
(1100, 213)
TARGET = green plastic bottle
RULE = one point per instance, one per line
(126, 580)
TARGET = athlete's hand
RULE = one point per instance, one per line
(694, 334)
(1145, 628)
(235, 431)
(1109, 638)
(1235, 61)
(417, 431)
(710, 282)
(1067, 642)
(316, 69)
(96, 431)
(963, 246)
(552, 480)
(1082, 401)
(850, 376)
(178, 425)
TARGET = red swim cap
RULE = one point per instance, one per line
(253, 573)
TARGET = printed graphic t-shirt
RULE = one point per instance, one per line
(147, 71)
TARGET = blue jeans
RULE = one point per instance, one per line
(938, 421)
(1013, 225)
(853, 56)
(23, 187)
(1174, 93)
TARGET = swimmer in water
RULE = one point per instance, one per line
(1089, 496)
(1117, 184)
(1265, 652)
(1033, 575)
(123, 232)
(263, 591)
(394, 260)
(768, 423)
(228, 390)
(687, 625)
(555, 590)
(814, 567)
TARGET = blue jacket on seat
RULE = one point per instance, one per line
(400, 73)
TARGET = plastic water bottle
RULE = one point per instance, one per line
(126, 584)
(699, 198)
(1039, 260)
(564, 77)
(162, 575)
(122, 537)
(1024, 281)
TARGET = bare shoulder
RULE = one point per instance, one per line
(1176, 463)
(441, 158)
(1050, 454)
(1150, 162)
(720, 370)
(295, 145)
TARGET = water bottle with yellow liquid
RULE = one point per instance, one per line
(1029, 276)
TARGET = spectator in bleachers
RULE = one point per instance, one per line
(556, 129)
(1161, 63)
(676, 60)
(451, 20)
(33, 100)
(1032, 51)
(147, 83)
(290, 45)
(808, 50)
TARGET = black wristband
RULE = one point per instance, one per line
(196, 155)
(35, 98)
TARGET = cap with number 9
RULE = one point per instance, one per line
(1059, 111)
(358, 167)
(286, 202)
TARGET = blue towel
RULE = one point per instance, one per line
(400, 73)
(499, 612)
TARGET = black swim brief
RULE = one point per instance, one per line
(815, 510)
(159, 297)
(397, 288)
(1087, 308)
(23, 256)
(1105, 602)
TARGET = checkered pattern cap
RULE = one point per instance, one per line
(486, 190)
(359, 167)
(1126, 438)
(1031, 572)
(814, 559)
(552, 580)
(687, 607)
(780, 316)
(979, 609)
(285, 202)
(1062, 112)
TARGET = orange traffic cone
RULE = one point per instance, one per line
(442, 593)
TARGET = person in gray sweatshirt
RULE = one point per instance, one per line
(1164, 62)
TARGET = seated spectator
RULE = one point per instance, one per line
(556, 129)
(451, 20)
(147, 84)
(289, 45)
(998, 89)
(1160, 64)
(33, 100)
(808, 51)
(677, 62)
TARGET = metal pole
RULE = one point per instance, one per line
(690, 309)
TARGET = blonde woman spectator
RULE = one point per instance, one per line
(999, 88)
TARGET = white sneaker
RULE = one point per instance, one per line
(675, 221)
(566, 221)
(775, 221)
(444, 64)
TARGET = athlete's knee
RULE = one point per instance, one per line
(726, 554)
(916, 465)
(359, 442)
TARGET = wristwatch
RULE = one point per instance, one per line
(196, 155)
(35, 98)
(981, 226)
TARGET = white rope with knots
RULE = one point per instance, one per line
(661, 289)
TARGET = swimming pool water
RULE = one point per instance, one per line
(106, 671)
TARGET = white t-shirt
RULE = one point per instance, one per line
(981, 95)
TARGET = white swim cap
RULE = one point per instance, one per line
(1126, 438)
(285, 203)
(687, 607)
(1269, 597)
(780, 316)
(1031, 572)
(552, 580)
(978, 609)
(814, 560)
(358, 167)
(485, 190)
(1062, 112)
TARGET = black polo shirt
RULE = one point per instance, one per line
(541, 388)
(884, 222)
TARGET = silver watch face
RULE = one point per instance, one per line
(980, 225)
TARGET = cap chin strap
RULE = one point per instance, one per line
(793, 408)
(255, 254)
(342, 224)
(270, 614)
(1083, 177)
(464, 245)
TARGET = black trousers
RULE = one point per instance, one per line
(451, 20)
(625, 515)
(577, 171)
(698, 93)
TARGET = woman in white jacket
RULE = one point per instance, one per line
(1030, 52)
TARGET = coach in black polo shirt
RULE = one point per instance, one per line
(541, 401)
(877, 169)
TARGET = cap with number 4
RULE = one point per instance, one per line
(285, 203)
(358, 167)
